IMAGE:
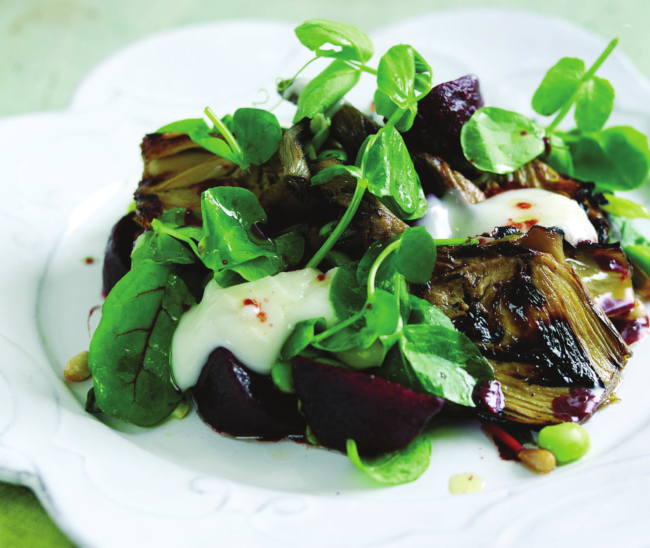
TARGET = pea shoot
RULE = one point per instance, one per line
(616, 158)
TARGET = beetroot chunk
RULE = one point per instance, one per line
(234, 400)
(117, 258)
(339, 404)
(441, 115)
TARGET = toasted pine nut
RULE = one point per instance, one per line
(538, 460)
(76, 370)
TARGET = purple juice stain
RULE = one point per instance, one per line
(488, 395)
(578, 405)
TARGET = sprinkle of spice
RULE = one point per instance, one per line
(261, 316)
(320, 277)
(523, 226)
(89, 260)
(524, 205)
(524, 132)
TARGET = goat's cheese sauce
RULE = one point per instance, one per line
(453, 217)
(252, 320)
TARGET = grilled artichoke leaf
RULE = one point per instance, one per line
(531, 316)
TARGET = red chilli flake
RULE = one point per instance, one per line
(524, 132)
(524, 226)
(251, 302)
(524, 205)
(90, 260)
(261, 316)
(320, 277)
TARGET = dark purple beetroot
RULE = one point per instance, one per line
(117, 258)
(378, 414)
(441, 115)
(234, 400)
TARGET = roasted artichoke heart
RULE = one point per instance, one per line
(554, 351)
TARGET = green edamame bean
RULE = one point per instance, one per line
(567, 441)
(282, 377)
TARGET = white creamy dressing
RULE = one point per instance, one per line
(252, 320)
(453, 217)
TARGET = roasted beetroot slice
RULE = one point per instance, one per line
(339, 404)
(234, 400)
(441, 115)
(117, 258)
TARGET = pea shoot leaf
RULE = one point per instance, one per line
(258, 133)
(163, 243)
(447, 363)
(130, 350)
(625, 208)
(415, 258)
(326, 175)
(396, 75)
(229, 242)
(594, 104)
(333, 39)
(327, 89)
(390, 173)
(500, 141)
(397, 467)
(617, 158)
(301, 337)
(558, 86)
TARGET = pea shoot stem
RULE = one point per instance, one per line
(372, 275)
(586, 77)
(230, 138)
(359, 191)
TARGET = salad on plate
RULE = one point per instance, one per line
(354, 277)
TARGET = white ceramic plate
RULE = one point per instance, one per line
(67, 176)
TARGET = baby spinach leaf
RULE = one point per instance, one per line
(229, 243)
(558, 86)
(446, 362)
(625, 208)
(291, 247)
(332, 39)
(327, 89)
(129, 352)
(161, 244)
(301, 337)
(389, 170)
(397, 467)
(415, 257)
(258, 133)
(617, 158)
(594, 104)
(500, 141)
(640, 256)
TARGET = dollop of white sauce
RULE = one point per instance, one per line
(453, 217)
(252, 320)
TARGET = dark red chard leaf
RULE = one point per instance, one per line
(441, 115)
(117, 258)
(234, 400)
(339, 404)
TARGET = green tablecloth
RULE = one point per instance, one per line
(48, 46)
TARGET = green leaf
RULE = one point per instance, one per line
(560, 158)
(301, 337)
(415, 257)
(594, 104)
(346, 295)
(327, 89)
(423, 312)
(258, 133)
(229, 243)
(91, 403)
(447, 363)
(402, 466)
(333, 39)
(291, 247)
(560, 83)
(386, 108)
(625, 208)
(382, 313)
(163, 243)
(129, 352)
(640, 255)
(184, 126)
(500, 141)
(617, 158)
(629, 234)
(396, 75)
(326, 175)
(389, 170)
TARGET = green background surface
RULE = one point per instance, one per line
(47, 46)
